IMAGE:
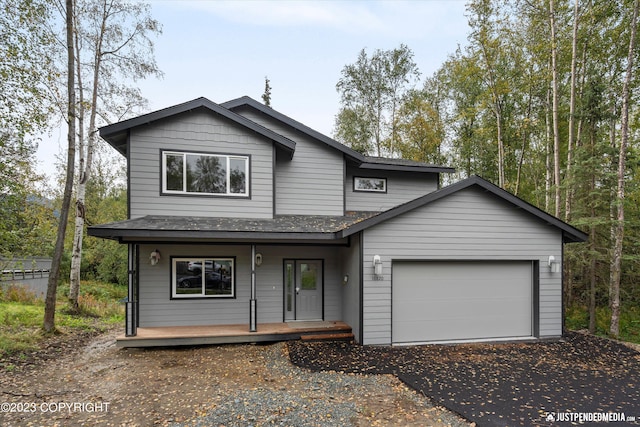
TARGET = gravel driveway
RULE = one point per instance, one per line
(509, 384)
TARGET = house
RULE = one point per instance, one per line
(240, 215)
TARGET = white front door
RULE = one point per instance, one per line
(303, 290)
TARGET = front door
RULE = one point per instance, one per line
(303, 290)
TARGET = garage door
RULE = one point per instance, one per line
(444, 301)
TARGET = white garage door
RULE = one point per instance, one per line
(444, 301)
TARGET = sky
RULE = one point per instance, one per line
(223, 50)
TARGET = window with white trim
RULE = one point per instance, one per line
(203, 173)
(376, 185)
(203, 277)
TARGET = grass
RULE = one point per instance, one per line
(21, 314)
(577, 317)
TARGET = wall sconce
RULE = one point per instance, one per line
(345, 279)
(554, 265)
(377, 265)
(258, 259)
(154, 258)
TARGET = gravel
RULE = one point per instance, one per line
(317, 399)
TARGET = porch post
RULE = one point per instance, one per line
(131, 325)
(252, 301)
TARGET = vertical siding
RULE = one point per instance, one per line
(198, 131)
(401, 188)
(157, 309)
(312, 182)
(468, 225)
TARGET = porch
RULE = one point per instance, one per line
(236, 334)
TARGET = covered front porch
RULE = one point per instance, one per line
(235, 334)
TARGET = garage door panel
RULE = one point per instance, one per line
(439, 301)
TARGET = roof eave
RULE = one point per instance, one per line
(117, 131)
(570, 234)
(406, 168)
(203, 235)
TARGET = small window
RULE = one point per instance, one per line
(208, 174)
(376, 185)
(203, 277)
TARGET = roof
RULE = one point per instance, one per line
(116, 134)
(384, 163)
(364, 162)
(293, 227)
(569, 233)
(303, 227)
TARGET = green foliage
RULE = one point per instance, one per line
(577, 318)
(21, 314)
(371, 92)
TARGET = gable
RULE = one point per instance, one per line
(202, 132)
(117, 134)
(499, 197)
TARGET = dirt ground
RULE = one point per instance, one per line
(85, 380)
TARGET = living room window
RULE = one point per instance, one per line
(376, 185)
(203, 173)
(203, 277)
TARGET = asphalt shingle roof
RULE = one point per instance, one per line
(281, 226)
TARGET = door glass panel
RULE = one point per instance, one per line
(308, 276)
(289, 280)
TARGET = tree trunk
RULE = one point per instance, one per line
(556, 133)
(85, 168)
(572, 103)
(76, 251)
(52, 284)
(614, 329)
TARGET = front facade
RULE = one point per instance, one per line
(241, 215)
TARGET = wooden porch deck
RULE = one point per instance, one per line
(234, 334)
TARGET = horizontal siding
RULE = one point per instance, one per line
(467, 225)
(351, 290)
(199, 132)
(312, 182)
(157, 309)
(401, 188)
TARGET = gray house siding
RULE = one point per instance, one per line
(467, 225)
(351, 290)
(311, 183)
(156, 308)
(198, 131)
(401, 188)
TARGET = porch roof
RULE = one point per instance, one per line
(281, 227)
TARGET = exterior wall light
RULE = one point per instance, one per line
(554, 265)
(377, 266)
(345, 279)
(258, 259)
(154, 258)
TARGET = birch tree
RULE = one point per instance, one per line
(619, 228)
(115, 37)
(54, 274)
(371, 91)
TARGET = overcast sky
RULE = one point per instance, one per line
(224, 50)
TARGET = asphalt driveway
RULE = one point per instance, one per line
(579, 380)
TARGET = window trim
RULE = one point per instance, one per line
(202, 295)
(228, 156)
(370, 190)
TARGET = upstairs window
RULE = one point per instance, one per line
(202, 173)
(375, 185)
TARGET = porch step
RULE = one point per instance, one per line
(343, 336)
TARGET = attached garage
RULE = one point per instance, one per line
(462, 300)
